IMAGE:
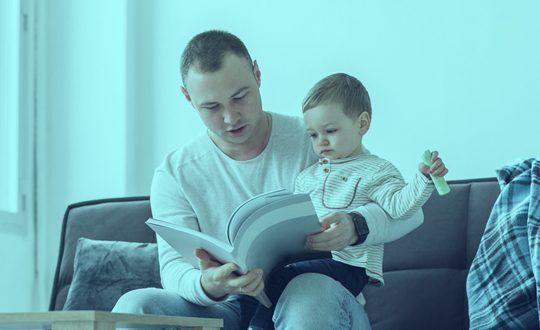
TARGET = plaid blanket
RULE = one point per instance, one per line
(503, 284)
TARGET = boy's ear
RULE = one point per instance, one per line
(257, 72)
(186, 94)
(363, 122)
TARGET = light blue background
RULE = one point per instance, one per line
(459, 76)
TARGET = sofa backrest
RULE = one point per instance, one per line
(117, 219)
(425, 271)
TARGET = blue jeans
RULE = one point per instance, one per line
(352, 278)
(310, 301)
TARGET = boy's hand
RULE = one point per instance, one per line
(338, 233)
(437, 169)
(219, 280)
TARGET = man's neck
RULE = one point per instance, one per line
(252, 148)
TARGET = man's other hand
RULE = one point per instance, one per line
(219, 280)
(338, 233)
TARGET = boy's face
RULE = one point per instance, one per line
(228, 100)
(333, 134)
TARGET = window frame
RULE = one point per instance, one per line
(26, 191)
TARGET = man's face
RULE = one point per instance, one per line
(333, 134)
(228, 100)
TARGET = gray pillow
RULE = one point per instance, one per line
(104, 270)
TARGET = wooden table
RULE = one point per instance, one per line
(98, 320)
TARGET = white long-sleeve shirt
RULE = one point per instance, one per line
(348, 183)
(198, 186)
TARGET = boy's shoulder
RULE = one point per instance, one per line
(368, 163)
(374, 160)
(377, 166)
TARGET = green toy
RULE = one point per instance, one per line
(439, 181)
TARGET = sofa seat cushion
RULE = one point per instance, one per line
(104, 270)
(430, 298)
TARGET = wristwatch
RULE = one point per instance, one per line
(361, 227)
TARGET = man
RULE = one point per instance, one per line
(245, 151)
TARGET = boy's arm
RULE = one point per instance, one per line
(397, 198)
(382, 228)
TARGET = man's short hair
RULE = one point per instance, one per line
(207, 50)
(339, 88)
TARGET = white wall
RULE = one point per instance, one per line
(85, 114)
(460, 76)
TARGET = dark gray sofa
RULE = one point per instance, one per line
(425, 271)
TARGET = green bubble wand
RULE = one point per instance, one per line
(438, 181)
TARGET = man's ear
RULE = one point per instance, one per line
(257, 73)
(186, 94)
(363, 122)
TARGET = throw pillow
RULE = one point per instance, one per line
(104, 270)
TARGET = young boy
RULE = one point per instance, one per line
(337, 113)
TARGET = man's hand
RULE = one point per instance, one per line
(338, 233)
(219, 280)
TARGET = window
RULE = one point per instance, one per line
(16, 110)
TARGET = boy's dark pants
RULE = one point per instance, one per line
(352, 278)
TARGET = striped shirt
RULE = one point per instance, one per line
(345, 184)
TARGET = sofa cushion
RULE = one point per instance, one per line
(104, 270)
(112, 219)
(431, 298)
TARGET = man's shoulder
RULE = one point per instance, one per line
(192, 151)
(288, 125)
(290, 138)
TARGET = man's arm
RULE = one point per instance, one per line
(169, 204)
(340, 229)
(213, 281)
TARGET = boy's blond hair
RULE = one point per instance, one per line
(339, 88)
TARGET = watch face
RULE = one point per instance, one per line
(361, 224)
(360, 227)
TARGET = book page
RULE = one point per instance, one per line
(186, 241)
(244, 210)
(276, 232)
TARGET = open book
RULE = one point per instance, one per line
(262, 232)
